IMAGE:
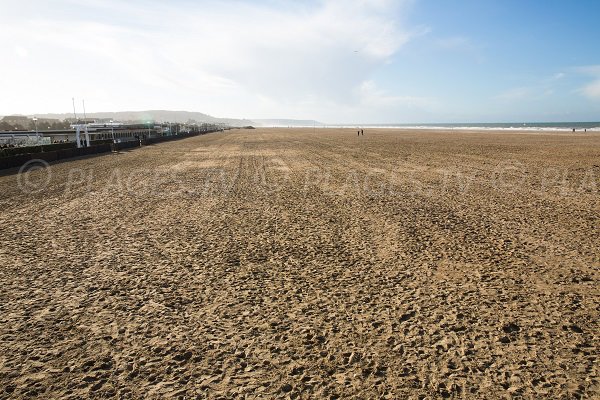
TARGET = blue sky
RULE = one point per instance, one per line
(337, 61)
(503, 60)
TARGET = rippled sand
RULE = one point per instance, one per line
(297, 263)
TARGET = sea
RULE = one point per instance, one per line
(516, 126)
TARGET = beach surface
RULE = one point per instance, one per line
(305, 264)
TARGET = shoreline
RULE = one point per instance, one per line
(444, 129)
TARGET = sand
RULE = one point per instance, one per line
(303, 263)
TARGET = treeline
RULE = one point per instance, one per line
(29, 125)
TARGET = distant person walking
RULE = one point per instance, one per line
(362, 132)
(358, 133)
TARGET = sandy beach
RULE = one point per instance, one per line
(307, 264)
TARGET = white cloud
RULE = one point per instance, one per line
(515, 94)
(21, 51)
(591, 89)
(538, 89)
(372, 96)
(456, 43)
(228, 58)
(462, 45)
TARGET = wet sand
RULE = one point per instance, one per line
(303, 263)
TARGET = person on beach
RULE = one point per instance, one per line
(362, 132)
(358, 133)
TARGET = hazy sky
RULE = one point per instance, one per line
(339, 61)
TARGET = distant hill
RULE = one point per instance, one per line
(183, 117)
(155, 115)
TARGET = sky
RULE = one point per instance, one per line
(335, 61)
